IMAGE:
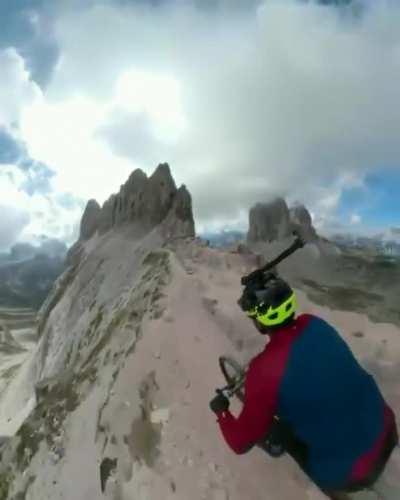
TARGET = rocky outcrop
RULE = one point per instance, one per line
(275, 221)
(147, 201)
(302, 222)
(269, 221)
(90, 220)
(179, 222)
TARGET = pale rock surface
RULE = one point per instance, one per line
(90, 220)
(160, 416)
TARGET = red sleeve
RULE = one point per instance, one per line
(260, 405)
(263, 382)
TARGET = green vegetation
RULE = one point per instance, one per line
(10, 371)
(156, 258)
(28, 446)
(342, 297)
(6, 479)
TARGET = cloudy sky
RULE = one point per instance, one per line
(245, 99)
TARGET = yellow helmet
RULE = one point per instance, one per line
(271, 305)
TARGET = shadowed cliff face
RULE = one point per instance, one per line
(274, 221)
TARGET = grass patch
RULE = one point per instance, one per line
(342, 297)
(156, 258)
(110, 331)
(28, 445)
(95, 323)
(11, 371)
(6, 479)
(55, 400)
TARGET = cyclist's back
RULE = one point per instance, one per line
(333, 405)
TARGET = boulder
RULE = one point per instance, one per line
(179, 222)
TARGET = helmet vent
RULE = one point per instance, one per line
(288, 306)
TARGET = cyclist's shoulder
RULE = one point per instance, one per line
(273, 357)
(304, 321)
(315, 329)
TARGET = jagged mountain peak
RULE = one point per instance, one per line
(143, 201)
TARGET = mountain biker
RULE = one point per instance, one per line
(309, 378)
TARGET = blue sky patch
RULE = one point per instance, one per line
(37, 174)
(378, 203)
(36, 44)
(10, 150)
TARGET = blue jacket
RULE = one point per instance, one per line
(308, 376)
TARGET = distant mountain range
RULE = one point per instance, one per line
(27, 273)
(224, 238)
(27, 283)
(51, 247)
(387, 243)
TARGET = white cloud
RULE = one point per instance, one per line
(16, 88)
(12, 222)
(26, 218)
(63, 135)
(355, 219)
(157, 95)
(290, 99)
(14, 216)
